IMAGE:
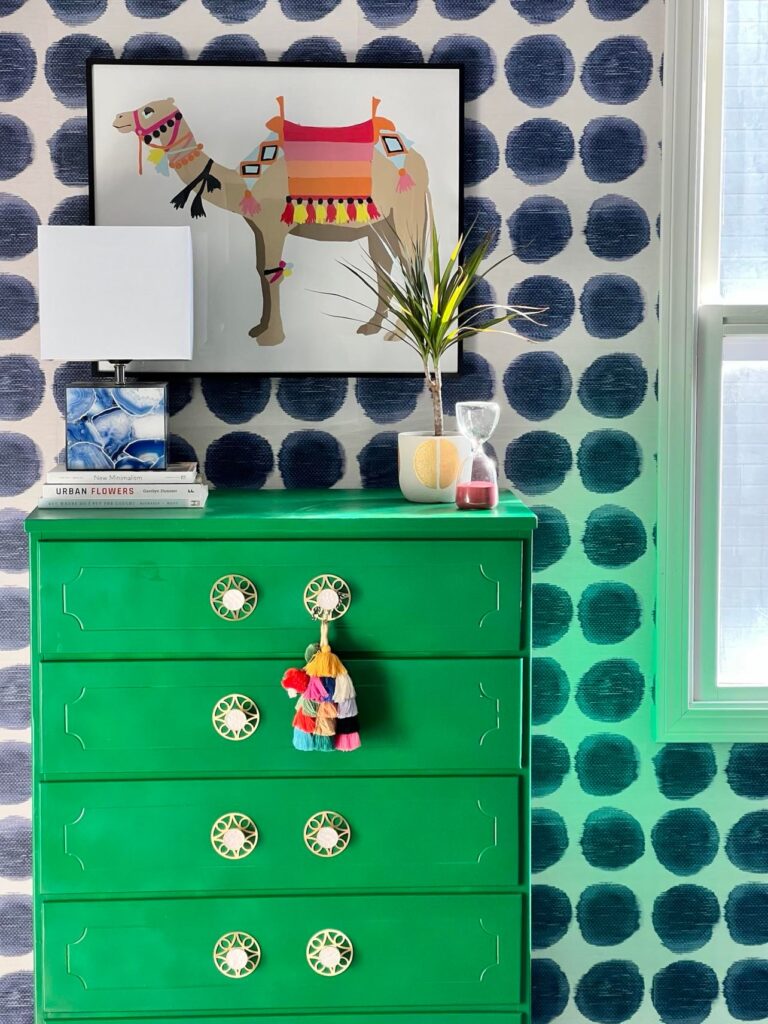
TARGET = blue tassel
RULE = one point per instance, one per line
(330, 685)
(324, 743)
(304, 740)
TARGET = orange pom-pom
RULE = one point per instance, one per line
(295, 681)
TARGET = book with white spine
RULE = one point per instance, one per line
(121, 492)
(177, 473)
(116, 503)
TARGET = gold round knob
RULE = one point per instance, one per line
(234, 836)
(233, 597)
(237, 954)
(329, 952)
(327, 834)
(235, 717)
(327, 598)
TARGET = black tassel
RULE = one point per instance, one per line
(198, 210)
(212, 183)
(345, 725)
(204, 179)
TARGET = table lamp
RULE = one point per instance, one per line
(115, 294)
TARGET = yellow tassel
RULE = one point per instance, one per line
(300, 214)
(325, 663)
(341, 214)
(320, 213)
(361, 212)
(156, 156)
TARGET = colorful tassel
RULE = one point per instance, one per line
(347, 741)
(404, 181)
(324, 663)
(324, 727)
(303, 740)
(343, 690)
(331, 212)
(351, 210)
(287, 215)
(322, 743)
(311, 213)
(362, 212)
(348, 708)
(300, 213)
(321, 212)
(309, 707)
(373, 210)
(346, 725)
(294, 681)
(304, 722)
(315, 691)
(249, 206)
(342, 217)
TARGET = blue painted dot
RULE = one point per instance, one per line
(180, 450)
(481, 154)
(617, 70)
(311, 398)
(239, 459)
(153, 46)
(613, 537)
(745, 989)
(475, 382)
(474, 55)
(16, 997)
(18, 227)
(387, 13)
(683, 992)
(552, 537)
(617, 228)
(607, 914)
(549, 991)
(152, 8)
(14, 695)
(15, 926)
(606, 764)
(23, 386)
(537, 462)
(685, 840)
(609, 612)
(16, 146)
(315, 50)
(551, 914)
(67, 373)
(608, 461)
(388, 399)
(18, 306)
(684, 916)
(15, 767)
(746, 914)
(683, 770)
(539, 70)
(614, 385)
(311, 458)
(14, 630)
(610, 992)
(537, 384)
(611, 690)
(615, 10)
(611, 305)
(539, 151)
(747, 843)
(307, 10)
(612, 839)
(552, 614)
(480, 294)
(18, 65)
(72, 210)
(747, 770)
(65, 65)
(553, 296)
(179, 393)
(13, 540)
(15, 862)
(9, 6)
(377, 460)
(234, 46)
(482, 222)
(539, 229)
(549, 690)
(550, 763)
(77, 12)
(390, 48)
(234, 12)
(549, 838)
(68, 147)
(461, 10)
(235, 398)
(541, 12)
(611, 149)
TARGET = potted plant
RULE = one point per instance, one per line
(428, 306)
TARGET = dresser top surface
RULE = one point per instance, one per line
(341, 514)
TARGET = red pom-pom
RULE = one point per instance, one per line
(295, 679)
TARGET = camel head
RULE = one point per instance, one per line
(155, 119)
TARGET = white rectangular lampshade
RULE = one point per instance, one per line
(115, 293)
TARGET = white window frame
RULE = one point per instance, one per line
(693, 322)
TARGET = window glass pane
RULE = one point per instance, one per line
(743, 597)
(744, 226)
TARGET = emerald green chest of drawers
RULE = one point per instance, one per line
(179, 871)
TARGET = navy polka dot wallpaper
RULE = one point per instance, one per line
(650, 862)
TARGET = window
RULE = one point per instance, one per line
(712, 613)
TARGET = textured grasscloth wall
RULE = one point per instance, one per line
(650, 898)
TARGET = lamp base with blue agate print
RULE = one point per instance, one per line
(119, 427)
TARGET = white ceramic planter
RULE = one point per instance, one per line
(428, 465)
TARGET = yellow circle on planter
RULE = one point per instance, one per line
(436, 462)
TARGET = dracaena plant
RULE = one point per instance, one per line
(429, 306)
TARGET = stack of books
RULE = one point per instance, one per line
(179, 486)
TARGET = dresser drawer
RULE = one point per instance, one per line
(156, 718)
(277, 835)
(444, 1017)
(410, 952)
(133, 599)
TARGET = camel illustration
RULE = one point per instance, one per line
(358, 182)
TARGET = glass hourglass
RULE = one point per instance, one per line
(477, 485)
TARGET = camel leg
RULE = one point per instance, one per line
(269, 252)
(381, 257)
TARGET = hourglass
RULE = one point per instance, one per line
(477, 484)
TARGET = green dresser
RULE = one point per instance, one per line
(179, 867)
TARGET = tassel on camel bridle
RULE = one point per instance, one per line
(145, 133)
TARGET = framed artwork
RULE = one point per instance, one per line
(285, 173)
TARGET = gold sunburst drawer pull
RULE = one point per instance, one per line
(233, 597)
(327, 597)
(237, 954)
(234, 836)
(327, 834)
(235, 717)
(329, 952)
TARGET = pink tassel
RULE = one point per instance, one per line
(287, 217)
(404, 182)
(330, 216)
(315, 690)
(351, 210)
(347, 741)
(249, 206)
(373, 210)
(311, 216)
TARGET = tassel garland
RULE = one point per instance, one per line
(331, 211)
(326, 709)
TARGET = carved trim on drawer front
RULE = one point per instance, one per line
(497, 708)
(497, 943)
(64, 608)
(67, 730)
(67, 827)
(69, 948)
(497, 586)
(494, 844)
